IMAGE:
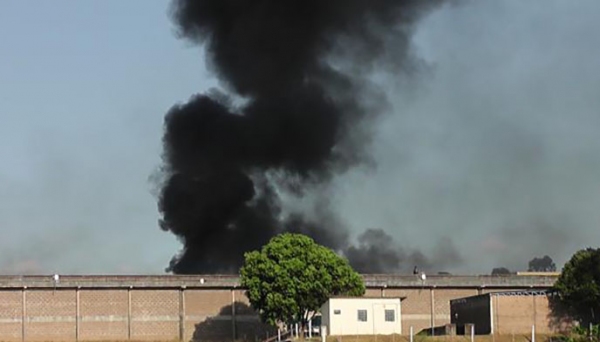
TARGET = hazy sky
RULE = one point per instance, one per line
(498, 146)
(495, 145)
(85, 85)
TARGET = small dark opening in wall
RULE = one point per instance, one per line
(337, 312)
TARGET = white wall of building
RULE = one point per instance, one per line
(362, 316)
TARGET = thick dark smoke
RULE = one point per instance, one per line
(297, 112)
(377, 252)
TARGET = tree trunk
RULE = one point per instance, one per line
(302, 325)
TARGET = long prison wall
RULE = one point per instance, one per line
(207, 308)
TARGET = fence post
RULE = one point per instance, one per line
(23, 312)
(77, 313)
(129, 312)
(233, 319)
(432, 300)
(411, 333)
(473, 333)
(182, 313)
(533, 333)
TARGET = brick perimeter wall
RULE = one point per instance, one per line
(103, 315)
(120, 315)
(155, 315)
(517, 314)
(11, 311)
(50, 315)
(166, 312)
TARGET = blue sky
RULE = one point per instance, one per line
(493, 150)
(85, 85)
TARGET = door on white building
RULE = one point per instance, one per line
(386, 319)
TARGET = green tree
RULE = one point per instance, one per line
(545, 264)
(578, 286)
(501, 271)
(292, 276)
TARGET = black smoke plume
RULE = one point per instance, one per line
(296, 112)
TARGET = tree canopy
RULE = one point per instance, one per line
(500, 271)
(544, 264)
(578, 286)
(292, 276)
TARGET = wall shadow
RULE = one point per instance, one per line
(441, 330)
(244, 326)
(560, 317)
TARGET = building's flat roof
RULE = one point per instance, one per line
(538, 292)
(543, 292)
(368, 298)
(232, 281)
(530, 273)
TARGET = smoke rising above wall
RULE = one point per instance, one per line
(297, 110)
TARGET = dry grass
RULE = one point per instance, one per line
(402, 338)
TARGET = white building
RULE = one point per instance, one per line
(362, 316)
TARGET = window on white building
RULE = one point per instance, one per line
(362, 315)
(337, 312)
(390, 315)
